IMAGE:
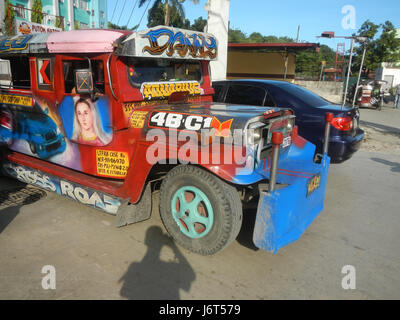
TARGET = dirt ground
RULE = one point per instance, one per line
(382, 129)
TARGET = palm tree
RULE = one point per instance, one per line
(168, 5)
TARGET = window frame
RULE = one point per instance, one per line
(44, 86)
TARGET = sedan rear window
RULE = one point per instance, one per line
(242, 94)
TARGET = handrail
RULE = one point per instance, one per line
(109, 76)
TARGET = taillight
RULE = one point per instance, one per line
(342, 123)
(5, 120)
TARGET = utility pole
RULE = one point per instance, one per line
(218, 25)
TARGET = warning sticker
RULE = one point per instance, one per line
(112, 163)
(137, 118)
(18, 100)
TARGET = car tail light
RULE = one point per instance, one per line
(342, 123)
(5, 120)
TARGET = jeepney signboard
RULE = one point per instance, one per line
(167, 42)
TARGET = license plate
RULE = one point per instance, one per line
(287, 141)
(313, 184)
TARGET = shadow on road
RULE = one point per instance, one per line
(153, 278)
(13, 198)
(382, 128)
(395, 165)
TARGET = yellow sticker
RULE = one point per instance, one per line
(18, 100)
(152, 90)
(137, 118)
(112, 163)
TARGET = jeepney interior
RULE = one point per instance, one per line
(69, 68)
(155, 70)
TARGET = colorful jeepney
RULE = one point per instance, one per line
(105, 117)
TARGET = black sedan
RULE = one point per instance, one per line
(309, 108)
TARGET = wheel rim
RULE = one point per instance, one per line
(192, 212)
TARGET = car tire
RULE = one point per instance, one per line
(201, 212)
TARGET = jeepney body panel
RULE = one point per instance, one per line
(106, 136)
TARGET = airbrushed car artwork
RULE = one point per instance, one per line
(105, 117)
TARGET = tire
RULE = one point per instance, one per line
(206, 227)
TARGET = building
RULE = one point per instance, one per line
(264, 60)
(67, 14)
(389, 71)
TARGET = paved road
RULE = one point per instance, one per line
(94, 260)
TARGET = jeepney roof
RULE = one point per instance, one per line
(157, 42)
(75, 41)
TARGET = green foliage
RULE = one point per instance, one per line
(237, 36)
(9, 19)
(199, 24)
(37, 15)
(111, 25)
(383, 47)
(309, 63)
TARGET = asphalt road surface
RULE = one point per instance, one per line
(92, 259)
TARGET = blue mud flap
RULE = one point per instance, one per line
(283, 215)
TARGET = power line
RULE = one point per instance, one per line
(123, 7)
(140, 21)
(127, 25)
(115, 7)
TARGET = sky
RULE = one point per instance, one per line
(282, 17)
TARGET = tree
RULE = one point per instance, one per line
(9, 19)
(385, 48)
(236, 36)
(37, 15)
(171, 11)
(111, 25)
(199, 24)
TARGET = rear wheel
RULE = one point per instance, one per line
(201, 212)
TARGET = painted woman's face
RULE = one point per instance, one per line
(85, 116)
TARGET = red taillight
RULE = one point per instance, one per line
(342, 123)
(5, 120)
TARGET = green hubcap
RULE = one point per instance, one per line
(192, 212)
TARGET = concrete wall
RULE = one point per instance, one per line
(392, 73)
(329, 90)
(259, 65)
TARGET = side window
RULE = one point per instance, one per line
(5, 73)
(20, 74)
(69, 66)
(242, 94)
(45, 67)
(218, 90)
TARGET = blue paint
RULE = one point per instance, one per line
(284, 215)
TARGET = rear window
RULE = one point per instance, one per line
(217, 94)
(161, 70)
(308, 97)
(242, 94)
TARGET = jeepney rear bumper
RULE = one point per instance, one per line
(284, 214)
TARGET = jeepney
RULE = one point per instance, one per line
(104, 117)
